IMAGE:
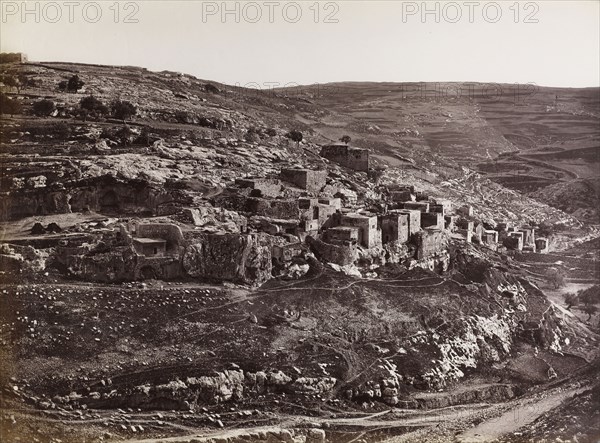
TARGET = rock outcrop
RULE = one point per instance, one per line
(243, 258)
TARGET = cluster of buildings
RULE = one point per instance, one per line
(503, 237)
(268, 223)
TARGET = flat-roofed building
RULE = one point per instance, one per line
(394, 227)
(369, 234)
(150, 246)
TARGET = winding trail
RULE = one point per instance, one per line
(522, 414)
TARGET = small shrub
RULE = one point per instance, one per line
(11, 81)
(122, 135)
(295, 136)
(182, 117)
(91, 106)
(211, 88)
(60, 130)
(123, 110)
(74, 84)
(571, 300)
(251, 135)
(9, 106)
(43, 108)
(144, 139)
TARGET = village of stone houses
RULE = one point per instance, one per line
(187, 261)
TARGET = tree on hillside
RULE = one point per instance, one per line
(90, 105)
(123, 110)
(74, 84)
(43, 108)
(26, 80)
(556, 277)
(295, 136)
(590, 310)
(211, 88)
(12, 82)
(571, 300)
(590, 297)
(345, 139)
(9, 106)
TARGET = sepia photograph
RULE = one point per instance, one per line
(350, 221)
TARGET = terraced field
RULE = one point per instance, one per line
(524, 137)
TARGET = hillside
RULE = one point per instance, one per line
(191, 272)
(427, 140)
(524, 137)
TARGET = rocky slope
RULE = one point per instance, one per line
(331, 337)
(193, 132)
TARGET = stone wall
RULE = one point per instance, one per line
(395, 227)
(339, 254)
(353, 158)
(242, 258)
(277, 208)
(429, 243)
(421, 206)
(116, 265)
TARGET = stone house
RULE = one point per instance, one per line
(514, 241)
(394, 227)
(414, 219)
(307, 179)
(430, 242)
(266, 187)
(369, 233)
(433, 220)
(313, 209)
(442, 205)
(353, 158)
(490, 237)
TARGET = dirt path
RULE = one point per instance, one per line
(515, 418)
(501, 419)
(397, 419)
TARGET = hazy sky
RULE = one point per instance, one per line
(550, 43)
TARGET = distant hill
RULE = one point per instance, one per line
(524, 137)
